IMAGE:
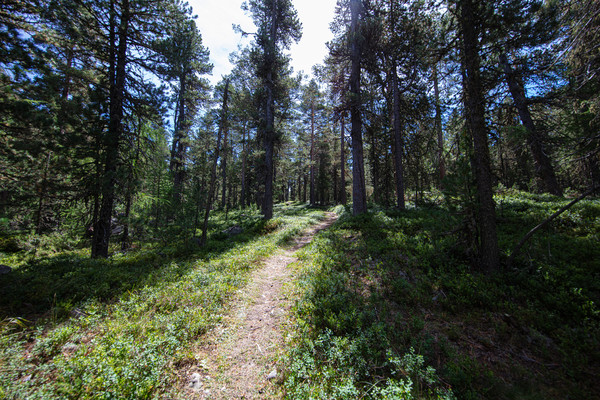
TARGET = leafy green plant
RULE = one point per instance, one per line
(126, 321)
(404, 279)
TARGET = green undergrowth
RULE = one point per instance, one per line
(392, 306)
(118, 328)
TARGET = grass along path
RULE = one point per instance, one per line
(239, 359)
(133, 344)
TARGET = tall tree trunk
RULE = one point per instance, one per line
(398, 134)
(224, 166)
(179, 145)
(474, 102)
(125, 241)
(213, 172)
(175, 141)
(102, 228)
(438, 126)
(299, 188)
(312, 153)
(304, 186)
(343, 199)
(398, 141)
(269, 137)
(375, 165)
(199, 191)
(42, 196)
(125, 235)
(243, 178)
(336, 190)
(157, 217)
(543, 166)
(359, 192)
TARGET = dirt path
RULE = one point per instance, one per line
(239, 361)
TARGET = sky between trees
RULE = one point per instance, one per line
(216, 17)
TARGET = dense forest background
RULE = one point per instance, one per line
(112, 140)
(110, 128)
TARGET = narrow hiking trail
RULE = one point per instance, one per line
(238, 358)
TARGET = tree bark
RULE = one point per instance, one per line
(336, 189)
(199, 190)
(543, 166)
(179, 147)
(474, 102)
(102, 227)
(269, 136)
(213, 172)
(312, 152)
(398, 141)
(125, 236)
(343, 199)
(359, 193)
(304, 182)
(42, 196)
(243, 178)
(224, 165)
(438, 126)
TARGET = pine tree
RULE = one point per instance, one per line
(183, 61)
(359, 195)
(278, 26)
(469, 18)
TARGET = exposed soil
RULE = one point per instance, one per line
(239, 359)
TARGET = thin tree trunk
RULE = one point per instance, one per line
(125, 241)
(158, 201)
(438, 127)
(343, 199)
(43, 190)
(304, 190)
(543, 166)
(474, 107)
(199, 191)
(336, 190)
(269, 137)
(243, 178)
(213, 173)
(398, 133)
(359, 193)
(125, 235)
(179, 145)
(375, 165)
(398, 142)
(312, 153)
(224, 166)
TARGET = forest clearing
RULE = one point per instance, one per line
(416, 217)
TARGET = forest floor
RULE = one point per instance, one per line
(389, 304)
(239, 358)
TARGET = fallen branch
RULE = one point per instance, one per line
(545, 222)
